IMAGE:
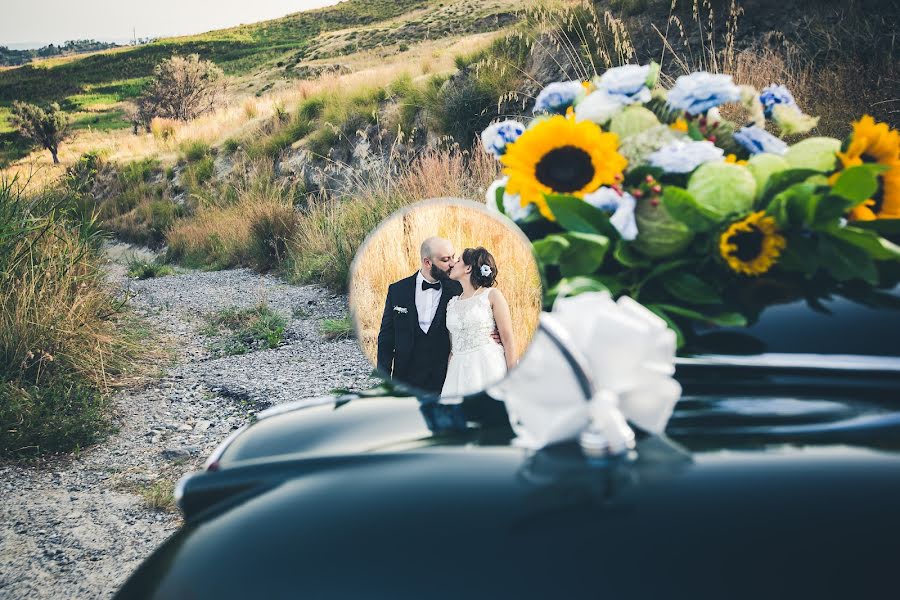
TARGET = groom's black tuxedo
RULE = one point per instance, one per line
(407, 353)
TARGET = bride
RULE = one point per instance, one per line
(476, 360)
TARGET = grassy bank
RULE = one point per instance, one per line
(63, 336)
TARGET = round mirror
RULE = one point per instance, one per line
(445, 296)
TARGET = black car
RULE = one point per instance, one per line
(778, 477)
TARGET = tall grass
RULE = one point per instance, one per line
(251, 227)
(61, 333)
(330, 229)
(392, 253)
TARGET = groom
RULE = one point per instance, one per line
(413, 342)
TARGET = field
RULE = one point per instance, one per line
(392, 253)
(258, 58)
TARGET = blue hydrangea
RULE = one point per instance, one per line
(757, 140)
(498, 135)
(620, 207)
(512, 203)
(558, 96)
(698, 92)
(775, 94)
(684, 157)
(628, 82)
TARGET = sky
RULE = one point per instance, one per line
(34, 24)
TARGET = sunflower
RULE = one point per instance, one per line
(752, 245)
(563, 156)
(873, 142)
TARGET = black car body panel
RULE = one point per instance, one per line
(774, 480)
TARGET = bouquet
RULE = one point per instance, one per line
(634, 190)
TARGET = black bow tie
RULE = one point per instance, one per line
(430, 286)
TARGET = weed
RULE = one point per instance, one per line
(337, 329)
(143, 269)
(244, 330)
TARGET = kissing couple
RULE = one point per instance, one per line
(446, 328)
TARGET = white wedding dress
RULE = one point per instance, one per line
(477, 361)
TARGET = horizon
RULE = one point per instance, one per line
(24, 29)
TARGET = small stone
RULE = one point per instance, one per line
(202, 425)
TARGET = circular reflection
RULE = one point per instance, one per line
(445, 297)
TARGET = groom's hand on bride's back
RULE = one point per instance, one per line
(495, 335)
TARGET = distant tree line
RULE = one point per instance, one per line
(11, 58)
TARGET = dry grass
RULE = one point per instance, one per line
(332, 229)
(244, 117)
(391, 253)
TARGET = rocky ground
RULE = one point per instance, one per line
(77, 527)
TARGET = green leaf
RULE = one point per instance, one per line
(795, 206)
(881, 226)
(875, 246)
(694, 132)
(584, 254)
(690, 288)
(498, 198)
(572, 286)
(628, 257)
(858, 183)
(682, 205)
(725, 319)
(800, 255)
(576, 215)
(846, 261)
(666, 267)
(829, 210)
(550, 249)
(781, 181)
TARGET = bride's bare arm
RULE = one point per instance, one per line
(502, 317)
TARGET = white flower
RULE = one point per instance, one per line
(598, 106)
(486, 270)
(496, 136)
(620, 206)
(629, 353)
(628, 82)
(558, 96)
(684, 157)
(512, 203)
(401, 309)
(698, 92)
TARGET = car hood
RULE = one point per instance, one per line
(788, 495)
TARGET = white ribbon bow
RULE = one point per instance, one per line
(626, 350)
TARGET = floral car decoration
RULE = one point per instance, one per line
(625, 187)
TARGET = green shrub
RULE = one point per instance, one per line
(230, 146)
(271, 230)
(195, 150)
(244, 330)
(337, 329)
(144, 269)
(61, 332)
(198, 173)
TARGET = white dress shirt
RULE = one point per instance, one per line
(426, 303)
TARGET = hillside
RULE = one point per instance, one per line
(257, 57)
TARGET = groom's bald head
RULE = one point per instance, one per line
(437, 257)
(435, 247)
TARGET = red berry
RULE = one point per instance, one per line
(649, 179)
(654, 202)
(656, 189)
(638, 193)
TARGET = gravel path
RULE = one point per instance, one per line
(77, 527)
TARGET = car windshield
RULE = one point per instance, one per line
(838, 325)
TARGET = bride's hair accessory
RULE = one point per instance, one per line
(484, 267)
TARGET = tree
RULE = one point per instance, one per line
(45, 127)
(182, 88)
